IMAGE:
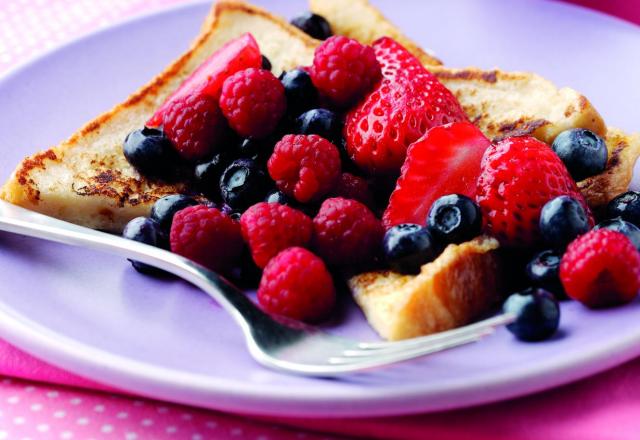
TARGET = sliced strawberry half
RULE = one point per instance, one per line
(445, 161)
(238, 54)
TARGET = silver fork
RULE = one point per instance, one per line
(274, 342)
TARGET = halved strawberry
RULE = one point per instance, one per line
(445, 161)
(238, 54)
(398, 111)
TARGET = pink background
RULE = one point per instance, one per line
(606, 406)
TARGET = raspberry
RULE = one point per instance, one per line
(206, 236)
(353, 187)
(518, 177)
(253, 102)
(194, 124)
(601, 269)
(297, 284)
(344, 70)
(305, 167)
(346, 232)
(269, 228)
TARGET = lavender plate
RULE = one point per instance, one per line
(93, 315)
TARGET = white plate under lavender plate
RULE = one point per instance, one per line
(94, 315)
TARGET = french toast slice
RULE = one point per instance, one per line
(86, 179)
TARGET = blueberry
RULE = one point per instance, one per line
(407, 247)
(626, 206)
(165, 208)
(243, 183)
(147, 231)
(150, 152)
(207, 176)
(322, 122)
(266, 64)
(314, 25)
(300, 91)
(454, 218)
(537, 314)
(258, 150)
(624, 227)
(562, 220)
(544, 271)
(277, 196)
(583, 152)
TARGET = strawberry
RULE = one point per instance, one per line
(238, 54)
(445, 160)
(397, 111)
(518, 176)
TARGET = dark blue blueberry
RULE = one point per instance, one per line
(322, 122)
(562, 220)
(301, 94)
(407, 247)
(243, 183)
(313, 25)
(277, 196)
(537, 314)
(165, 208)
(207, 176)
(454, 218)
(144, 230)
(583, 152)
(626, 206)
(544, 271)
(258, 150)
(266, 64)
(624, 227)
(151, 153)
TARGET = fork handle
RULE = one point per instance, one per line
(25, 222)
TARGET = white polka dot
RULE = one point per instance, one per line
(106, 428)
(98, 408)
(147, 422)
(66, 435)
(4, 434)
(36, 407)
(19, 420)
(52, 394)
(43, 427)
(196, 437)
(122, 415)
(59, 414)
(211, 425)
(13, 400)
(82, 421)
(29, 388)
(75, 401)
(236, 431)
(163, 409)
(131, 436)
(171, 430)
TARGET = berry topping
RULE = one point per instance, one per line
(313, 25)
(238, 54)
(537, 314)
(583, 152)
(242, 184)
(454, 218)
(344, 70)
(194, 124)
(304, 167)
(253, 102)
(269, 228)
(297, 284)
(626, 206)
(407, 247)
(544, 271)
(398, 111)
(629, 229)
(206, 236)
(147, 231)
(562, 220)
(207, 175)
(300, 92)
(151, 153)
(277, 196)
(346, 232)
(320, 121)
(519, 176)
(166, 207)
(266, 64)
(446, 160)
(601, 269)
(353, 187)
